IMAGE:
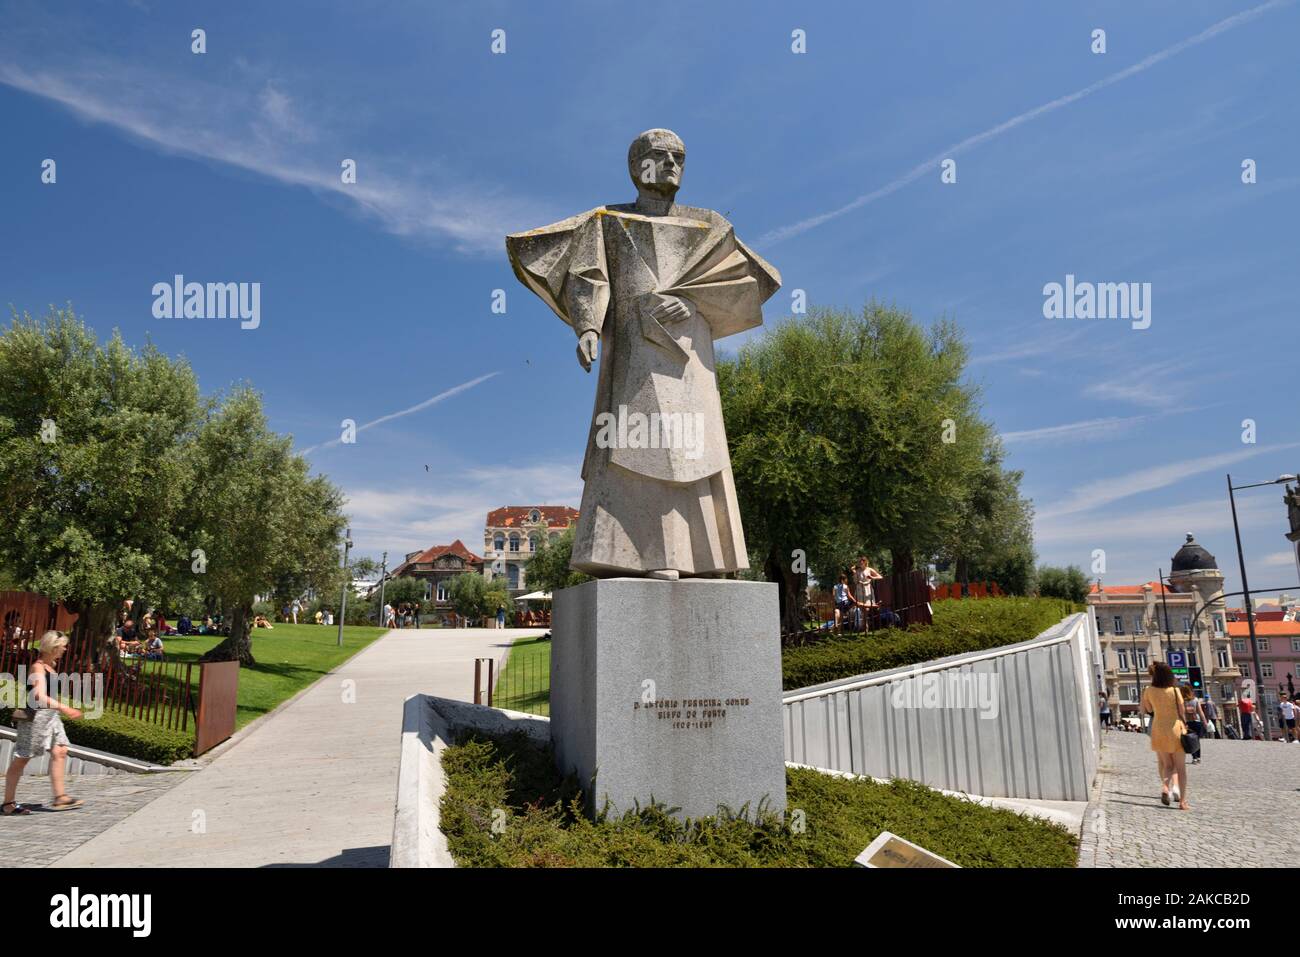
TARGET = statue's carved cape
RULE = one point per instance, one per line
(606, 271)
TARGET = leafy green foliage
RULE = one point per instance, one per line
(473, 596)
(1067, 583)
(544, 823)
(959, 626)
(95, 475)
(548, 569)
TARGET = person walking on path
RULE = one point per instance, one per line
(1211, 716)
(1164, 703)
(501, 616)
(1195, 719)
(1105, 710)
(42, 731)
(1287, 707)
(1247, 709)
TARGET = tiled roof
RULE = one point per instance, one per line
(1265, 629)
(456, 548)
(516, 516)
(1156, 588)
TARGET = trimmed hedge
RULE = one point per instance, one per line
(543, 824)
(128, 737)
(972, 624)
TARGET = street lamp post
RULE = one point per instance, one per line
(343, 602)
(1245, 589)
(1164, 605)
(383, 576)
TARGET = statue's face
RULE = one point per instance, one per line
(658, 167)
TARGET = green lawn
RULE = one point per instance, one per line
(525, 681)
(289, 658)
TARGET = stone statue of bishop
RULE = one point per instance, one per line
(647, 287)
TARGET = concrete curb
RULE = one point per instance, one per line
(1094, 818)
(429, 725)
(76, 753)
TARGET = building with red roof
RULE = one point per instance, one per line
(437, 566)
(514, 532)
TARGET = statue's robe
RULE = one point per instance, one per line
(666, 504)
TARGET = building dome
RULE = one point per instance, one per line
(1192, 557)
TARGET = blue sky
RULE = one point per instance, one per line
(1123, 166)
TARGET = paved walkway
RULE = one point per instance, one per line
(313, 784)
(1245, 799)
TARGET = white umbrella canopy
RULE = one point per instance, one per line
(535, 596)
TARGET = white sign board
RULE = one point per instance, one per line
(890, 850)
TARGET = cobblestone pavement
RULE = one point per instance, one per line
(1245, 799)
(42, 837)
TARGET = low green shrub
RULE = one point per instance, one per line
(128, 737)
(543, 824)
(972, 624)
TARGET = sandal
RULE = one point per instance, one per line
(17, 809)
(1164, 798)
(65, 803)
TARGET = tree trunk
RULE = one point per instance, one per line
(239, 646)
(791, 601)
(961, 575)
(91, 630)
(901, 560)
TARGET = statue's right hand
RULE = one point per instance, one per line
(588, 349)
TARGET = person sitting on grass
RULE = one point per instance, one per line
(320, 617)
(42, 730)
(155, 649)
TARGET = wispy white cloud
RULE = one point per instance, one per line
(418, 407)
(1095, 494)
(402, 520)
(1155, 526)
(253, 123)
(916, 172)
(1086, 430)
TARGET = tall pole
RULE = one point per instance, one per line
(1137, 673)
(343, 602)
(1165, 608)
(1250, 622)
(383, 575)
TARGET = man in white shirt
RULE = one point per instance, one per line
(1287, 707)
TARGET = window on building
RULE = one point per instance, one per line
(1122, 657)
(534, 516)
(1128, 694)
(512, 575)
(1119, 625)
(1141, 659)
(1263, 643)
(1218, 626)
(1295, 644)
(1137, 625)
(514, 541)
(1187, 624)
(532, 543)
(1245, 668)
(1239, 645)
(1223, 657)
(1266, 669)
(499, 541)
(444, 589)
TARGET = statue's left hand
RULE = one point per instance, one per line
(671, 309)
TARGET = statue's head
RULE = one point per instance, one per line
(655, 160)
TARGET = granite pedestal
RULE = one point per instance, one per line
(670, 691)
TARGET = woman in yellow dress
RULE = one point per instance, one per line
(1163, 701)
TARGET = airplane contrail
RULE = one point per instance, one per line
(454, 390)
(794, 229)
